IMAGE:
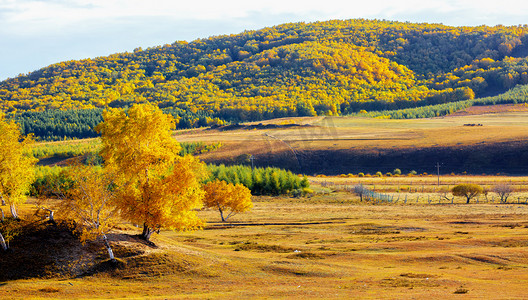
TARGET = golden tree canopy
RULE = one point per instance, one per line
(227, 197)
(468, 190)
(90, 201)
(138, 140)
(157, 187)
(16, 164)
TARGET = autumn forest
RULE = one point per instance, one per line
(297, 69)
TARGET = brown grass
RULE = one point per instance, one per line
(329, 145)
(332, 141)
(327, 246)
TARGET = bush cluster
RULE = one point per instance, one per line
(261, 181)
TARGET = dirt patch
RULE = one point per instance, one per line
(485, 259)
(256, 126)
(408, 282)
(490, 109)
(306, 255)
(374, 229)
(294, 270)
(45, 250)
(414, 275)
(230, 225)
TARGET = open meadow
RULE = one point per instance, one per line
(340, 159)
(412, 240)
(479, 140)
(327, 245)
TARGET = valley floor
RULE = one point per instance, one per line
(328, 246)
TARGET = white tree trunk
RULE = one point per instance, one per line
(108, 248)
(2, 242)
(3, 201)
(51, 214)
(12, 207)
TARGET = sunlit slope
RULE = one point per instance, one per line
(292, 69)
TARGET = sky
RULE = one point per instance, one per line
(37, 33)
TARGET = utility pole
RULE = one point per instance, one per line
(252, 158)
(438, 173)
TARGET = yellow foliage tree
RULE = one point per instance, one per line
(227, 198)
(90, 202)
(16, 165)
(468, 190)
(157, 187)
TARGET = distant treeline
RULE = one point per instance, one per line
(91, 149)
(55, 125)
(519, 94)
(52, 125)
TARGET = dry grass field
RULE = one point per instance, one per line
(335, 145)
(328, 245)
(342, 145)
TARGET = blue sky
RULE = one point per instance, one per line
(36, 33)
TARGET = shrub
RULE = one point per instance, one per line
(504, 190)
(49, 181)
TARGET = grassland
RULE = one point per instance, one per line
(329, 245)
(341, 145)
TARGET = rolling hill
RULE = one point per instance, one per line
(329, 67)
(298, 69)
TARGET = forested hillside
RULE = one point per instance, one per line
(330, 68)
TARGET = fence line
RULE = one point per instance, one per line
(440, 197)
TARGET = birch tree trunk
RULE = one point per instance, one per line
(108, 248)
(12, 207)
(147, 232)
(2, 242)
(51, 215)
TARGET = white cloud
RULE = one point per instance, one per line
(31, 16)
